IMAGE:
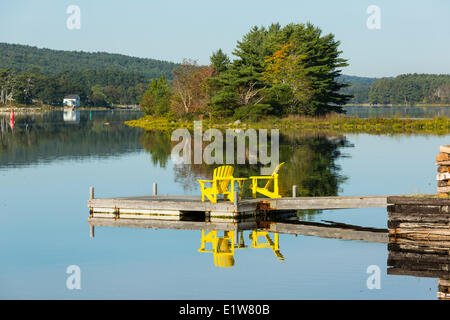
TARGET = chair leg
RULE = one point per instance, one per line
(275, 187)
(231, 195)
(254, 186)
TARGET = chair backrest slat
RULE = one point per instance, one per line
(269, 183)
(223, 172)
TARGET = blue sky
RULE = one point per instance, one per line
(414, 34)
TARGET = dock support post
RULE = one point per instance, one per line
(91, 193)
(235, 198)
(91, 231)
(294, 191)
(155, 189)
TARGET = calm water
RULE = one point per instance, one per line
(49, 161)
(397, 112)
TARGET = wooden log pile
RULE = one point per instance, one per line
(419, 218)
(421, 259)
(443, 176)
(419, 235)
(444, 289)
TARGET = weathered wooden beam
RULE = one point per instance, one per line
(343, 202)
(443, 189)
(416, 209)
(193, 203)
(443, 176)
(423, 201)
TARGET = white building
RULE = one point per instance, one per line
(71, 116)
(71, 100)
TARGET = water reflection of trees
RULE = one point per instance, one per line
(310, 162)
(46, 137)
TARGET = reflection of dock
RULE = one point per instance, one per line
(294, 227)
(172, 207)
(222, 238)
(429, 259)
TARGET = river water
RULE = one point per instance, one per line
(49, 161)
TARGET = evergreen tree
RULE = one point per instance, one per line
(294, 62)
(156, 100)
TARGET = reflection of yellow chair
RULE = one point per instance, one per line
(222, 247)
(274, 245)
(272, 179)
(222, 179)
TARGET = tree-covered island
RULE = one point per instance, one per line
(279, 71)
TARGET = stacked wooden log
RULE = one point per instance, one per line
(443, 176)
(419, 218)
(421, 259)
(444, 289)
(419, 238)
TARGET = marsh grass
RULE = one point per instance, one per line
(330, 123)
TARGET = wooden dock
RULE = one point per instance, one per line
(172, 207)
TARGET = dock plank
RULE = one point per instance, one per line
(193, 203)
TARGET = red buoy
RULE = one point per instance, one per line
(11, 119)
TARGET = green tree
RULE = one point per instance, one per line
(296, 58)
(156, 100)
(220, 61)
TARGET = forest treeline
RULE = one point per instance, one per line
(21, 58)
(96, 88)
(410, 89)
(279, 71)
(30, 75)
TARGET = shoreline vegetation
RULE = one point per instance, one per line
(330, 123)
(275, 71)
(280, 76)
(417, 105)
(47, 108)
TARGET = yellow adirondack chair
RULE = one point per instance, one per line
(272, 180)
(222, 183)
(222, 247)
(274, 245)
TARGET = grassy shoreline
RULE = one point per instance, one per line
(333, 123)
(418, 105)
(45, 108)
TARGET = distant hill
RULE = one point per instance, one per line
(411, 89)
(102, 78)
(359, 87)
(17, 57)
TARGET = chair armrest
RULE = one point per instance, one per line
(261, 177)
(204, 180)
